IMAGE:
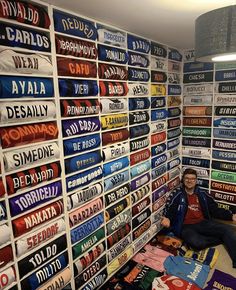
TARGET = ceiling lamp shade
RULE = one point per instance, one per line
(215, 35)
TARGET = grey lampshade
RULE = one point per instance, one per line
(215, 33)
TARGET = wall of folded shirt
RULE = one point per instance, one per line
(209, 121)
(90, 119)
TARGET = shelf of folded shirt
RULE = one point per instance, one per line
(155, 266)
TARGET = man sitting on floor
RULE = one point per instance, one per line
(189, 212)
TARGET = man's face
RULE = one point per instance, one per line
(190, 181)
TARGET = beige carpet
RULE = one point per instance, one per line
(223, 263)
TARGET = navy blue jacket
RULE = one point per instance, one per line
(177, 205)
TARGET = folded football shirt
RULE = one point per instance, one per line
(75, 47)
(41, 256)
(80, 126)
(77, 88)
(24, 87)
(114, 136)
(87, 228)
(6, 256)
(88, 243)
(76, 68)
(168, 282)
(35, 197)
(85, 212)
(81, 107)
(112, 54)
(80, 144)
(35, 218)
(206, 256)
(61, 279)
(114, 72)
(81, 27)
(18, 36)
(81, 196)
(29, 156)
(27, 134)
(2, 189)
(22, 63)
(82, 161)
(27, 111)
(111, 36)
(113, 88)
(83, 178)
(187, 269)
(6, 233)
(44, 273)
(113, 105)
(221, 280)
(38, 237)
(24, 12)
(7, 277)
(33, 176)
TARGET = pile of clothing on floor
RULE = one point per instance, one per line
(165, 263)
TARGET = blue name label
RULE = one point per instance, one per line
(137, 59)
(24, 87)
(74, 25)
(196, 162)
(112, 54)
(24, 38)
(160, 148)
(138, 44)
(174, 90)
(138, 103)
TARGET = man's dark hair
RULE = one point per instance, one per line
(189, 171)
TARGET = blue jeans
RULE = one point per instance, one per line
(210, 233)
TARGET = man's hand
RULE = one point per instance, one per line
(234, 217)
(166, 222)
